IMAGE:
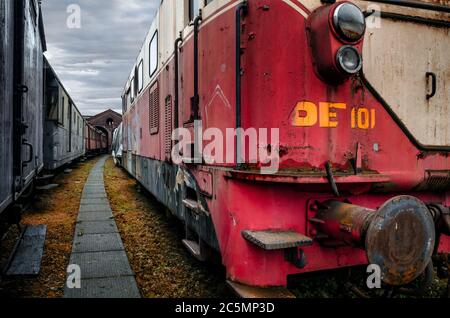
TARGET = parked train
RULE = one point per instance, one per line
(67, 135)
(64, 125)
(40, 126)
(21, 93)
(96, 141)
(363, 170)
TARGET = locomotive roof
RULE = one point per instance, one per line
(151, 30)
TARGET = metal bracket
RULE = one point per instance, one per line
(433, 77)
(30, 146)
(331, 179)
(23, 89)
(296, 257)
(368, 13)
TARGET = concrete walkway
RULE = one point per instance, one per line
(97, 247)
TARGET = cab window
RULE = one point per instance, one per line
(153, 54)
(194, 9)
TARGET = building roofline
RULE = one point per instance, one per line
(104, 112)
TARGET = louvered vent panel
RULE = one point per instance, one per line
(168, 126)
(154, 109)
(435, 181)
(438, 180)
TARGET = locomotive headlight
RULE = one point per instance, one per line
(349, 59)
(349, 22)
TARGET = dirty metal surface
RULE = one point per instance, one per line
(277, 240)
(245, 291)
(401, 240)
(27, 256)
(422, 49)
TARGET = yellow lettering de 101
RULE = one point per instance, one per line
(326, 115)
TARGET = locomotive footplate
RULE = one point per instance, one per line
(245, 291)
(399, 237)
(277, 240)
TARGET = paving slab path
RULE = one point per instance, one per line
(97, 246)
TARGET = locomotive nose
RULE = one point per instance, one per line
(399, 236)
(400, 239)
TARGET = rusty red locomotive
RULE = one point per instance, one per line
(360, 120)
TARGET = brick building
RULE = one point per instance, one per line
(106, 121)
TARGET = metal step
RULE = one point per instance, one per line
(195, 249)
(191, 204)
(194, 206)
(45, 179)
(27, 255)
(277, 240)
(47, 187)
(245, 291)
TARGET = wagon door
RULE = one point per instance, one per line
(28, 97)
(406, 60)
(70, 118)
(6, 101)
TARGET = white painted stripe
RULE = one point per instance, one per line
(209, 19)
(231, 6)
(311, 5)
(296, 8)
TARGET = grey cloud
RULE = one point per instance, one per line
(93, 62)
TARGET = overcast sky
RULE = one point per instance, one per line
(94, 61)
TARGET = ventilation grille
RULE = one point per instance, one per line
(154, 109)
(436, 181)
(168, 126)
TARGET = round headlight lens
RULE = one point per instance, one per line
(349, 22)
(349, 59)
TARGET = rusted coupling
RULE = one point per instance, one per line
(399, 236)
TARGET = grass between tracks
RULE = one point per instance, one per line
(162, 266)
(58, 209)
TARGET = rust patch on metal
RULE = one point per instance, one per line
(401, 240)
